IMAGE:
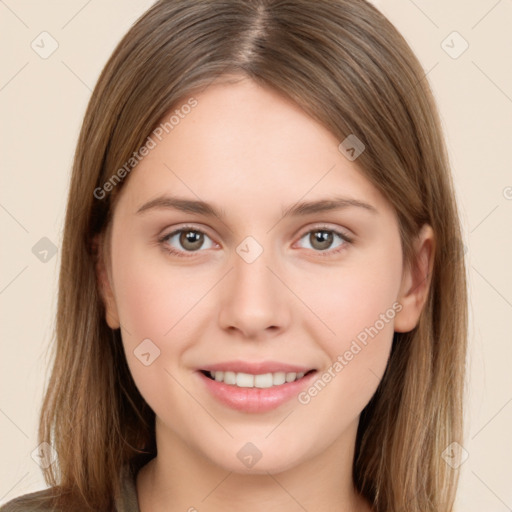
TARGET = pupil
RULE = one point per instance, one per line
(191, 239)
(323, 238)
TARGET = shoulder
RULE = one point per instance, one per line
(39, 501)
(44, 500)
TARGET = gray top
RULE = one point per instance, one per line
(126, 502)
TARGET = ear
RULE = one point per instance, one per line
(416, 279)
(104, 283)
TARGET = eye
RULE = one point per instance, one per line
(190, 240)
(187, 239)
(322, 238)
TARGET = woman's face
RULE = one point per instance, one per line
(251, 290)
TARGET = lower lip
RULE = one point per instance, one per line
(255, 399)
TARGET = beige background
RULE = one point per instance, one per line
(42, 102)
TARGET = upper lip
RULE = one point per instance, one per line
(256, 368)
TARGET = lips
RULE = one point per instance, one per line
(255, 387)
(256, 368)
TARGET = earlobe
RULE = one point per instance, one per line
(416, 281)
(104, 284)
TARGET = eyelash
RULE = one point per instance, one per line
(188, 254)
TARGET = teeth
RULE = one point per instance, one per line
(244, 380)
(247, 380)
(290, 377)
(229, 377)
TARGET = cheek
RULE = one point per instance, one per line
(354, 296)
(357, 303)
(145, 302)
(152, 296)
(155, 303)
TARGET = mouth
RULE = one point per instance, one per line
(249, 380)
(258, 388)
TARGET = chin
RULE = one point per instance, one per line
(258, 457)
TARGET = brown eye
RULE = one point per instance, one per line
(191, 240)
(186, 240)
(322, 240)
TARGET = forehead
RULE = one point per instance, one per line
(248, 145)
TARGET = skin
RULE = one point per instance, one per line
(252, 153)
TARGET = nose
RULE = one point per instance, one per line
(254, 301)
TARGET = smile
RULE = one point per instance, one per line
(247, 380)
(254, 387)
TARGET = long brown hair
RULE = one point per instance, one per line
(346, 65)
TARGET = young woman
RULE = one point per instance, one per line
(262, 299)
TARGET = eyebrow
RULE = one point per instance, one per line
(297, 209)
